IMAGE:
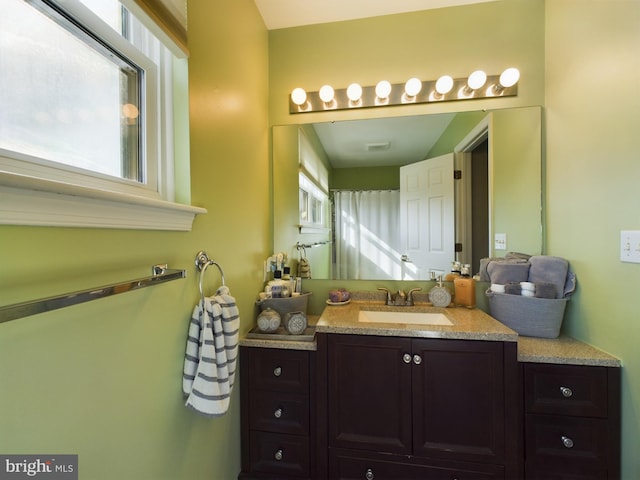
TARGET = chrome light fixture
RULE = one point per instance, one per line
(446, 88)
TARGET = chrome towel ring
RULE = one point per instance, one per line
(202, 263)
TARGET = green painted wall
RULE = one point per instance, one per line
(592, 171)
(103, 379)
(285, 201)
(454, 41)
(366, 178)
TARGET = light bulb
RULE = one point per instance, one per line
(383, 89)
(326, 93)
(413, 87)
(354, 92)
(444, 84)
(477, 79)
(509, 77)
(298, 96)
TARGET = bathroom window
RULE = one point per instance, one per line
(313, 183)
(312, 202)
(86, 100)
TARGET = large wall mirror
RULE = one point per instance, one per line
(376, 199)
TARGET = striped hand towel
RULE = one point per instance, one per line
(211, 354)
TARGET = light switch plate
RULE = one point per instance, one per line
(630, 246)
(500, 241)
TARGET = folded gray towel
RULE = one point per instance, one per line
(513, 288)
(511, 257)
(548, 269)
(506, 271)
(545, 290)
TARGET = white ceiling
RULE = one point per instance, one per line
(381, 142)
(292, 13)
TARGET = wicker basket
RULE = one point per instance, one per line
(529, 316)
(286, 305)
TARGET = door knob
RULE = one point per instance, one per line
(406, 358)
(417, 359)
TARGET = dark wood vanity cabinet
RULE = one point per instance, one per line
(403, 408)
(572, 422)
(278, 440)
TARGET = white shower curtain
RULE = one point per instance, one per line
(367, 234)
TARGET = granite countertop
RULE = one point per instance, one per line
(563, 350)
(468, 324)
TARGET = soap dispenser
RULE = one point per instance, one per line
(440, 296)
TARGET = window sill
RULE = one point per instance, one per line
(30, 201)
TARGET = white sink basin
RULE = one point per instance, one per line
(411, 318)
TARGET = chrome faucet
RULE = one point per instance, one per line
(401, 298)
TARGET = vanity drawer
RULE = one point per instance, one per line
(279, 370)
(279, 412)
(566, 441)
(352, 465)
(280, 454)
(566, 390)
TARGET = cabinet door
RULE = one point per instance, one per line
(458, 399)
(370, 393)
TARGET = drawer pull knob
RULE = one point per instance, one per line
(278, 413)
(277, 371)
(566, 392)
(567, 442)
(417, 359)
(406, 358)
(369, 475)
(278, 455)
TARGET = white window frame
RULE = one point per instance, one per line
(34, 192)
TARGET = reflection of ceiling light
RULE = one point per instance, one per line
(378, 147)
(326, 94)
(354, 92)
(444, 84)
(129, 110)
(413, 87)
(383, 89)
(298, 96)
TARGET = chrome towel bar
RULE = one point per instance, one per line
(160, 274)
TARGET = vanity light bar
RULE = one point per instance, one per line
(445, 89)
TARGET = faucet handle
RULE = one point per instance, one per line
(389, 298)
(410, 295)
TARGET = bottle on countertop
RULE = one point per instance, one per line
(277, 285)
(454, 273)
(464, 289)
(291, 280)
